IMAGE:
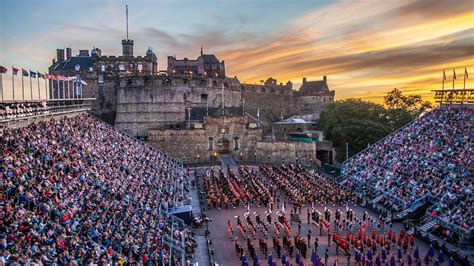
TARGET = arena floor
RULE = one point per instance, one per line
(224, 249)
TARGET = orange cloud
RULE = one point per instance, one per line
(365, 48)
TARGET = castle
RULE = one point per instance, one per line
(192, 107)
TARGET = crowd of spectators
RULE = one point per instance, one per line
(430, 157)
(75, 191)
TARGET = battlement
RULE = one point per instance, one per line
(267, 89)
(175, 81)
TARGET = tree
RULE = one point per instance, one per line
(354, 121)
(361, 122)
(411, 103)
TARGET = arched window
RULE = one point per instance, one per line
(211, 143)
(226, 85)
(236, 143)
(204, 97)
(214, 83)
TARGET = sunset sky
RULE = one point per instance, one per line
(364, 47)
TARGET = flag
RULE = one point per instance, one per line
(32, 74)
(40, 75)
(52, 77)
(444, 75)
(465, 73)
(3, 69)
(15, 71)
(24, 72)
(454, 73)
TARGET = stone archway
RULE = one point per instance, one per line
(223, 146)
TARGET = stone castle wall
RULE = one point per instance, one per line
(160, 102)
(287, 152)
(199, 145)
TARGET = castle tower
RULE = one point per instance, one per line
(127, 47)
(127, 44)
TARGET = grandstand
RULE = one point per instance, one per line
(76, 191)
(422, 174)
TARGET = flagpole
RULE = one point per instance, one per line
(442, 90)
(22, 86)
(13, 84)
(64, 92)
(454, 76)
(46, 87)
(38, 80)
(223, 108)
(80, 89)
(31, 87)
(68, 95)
(58, 88)
(1, 85)
(464, 86)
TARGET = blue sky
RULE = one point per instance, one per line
(365, 47)
(170, 27)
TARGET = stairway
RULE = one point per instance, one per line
(227, 160)
(377, 199)
(426, 227)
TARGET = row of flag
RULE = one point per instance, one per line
(37, 74)
(466, 75)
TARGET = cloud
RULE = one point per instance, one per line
(364, 47)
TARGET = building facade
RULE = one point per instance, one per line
(192, 107)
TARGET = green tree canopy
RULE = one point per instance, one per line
(360, 122)
(354, 121)
(409, 103)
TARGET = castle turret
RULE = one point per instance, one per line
(127, 47)
(127, 44)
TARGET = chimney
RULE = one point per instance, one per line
(304, 80)
(60, 55)
(68, 53)
(84, 52)
(325, 79)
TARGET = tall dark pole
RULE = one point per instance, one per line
(126, 14)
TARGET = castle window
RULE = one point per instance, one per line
(185, 81)
(236, 143)
(102, 68)
(185, 97)
(101, 89)
(101, 78)
(214, 83)
(211, 143)
(121, 67)
(129, 82)
(140, 67)
(204, 97)
(226, 85)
